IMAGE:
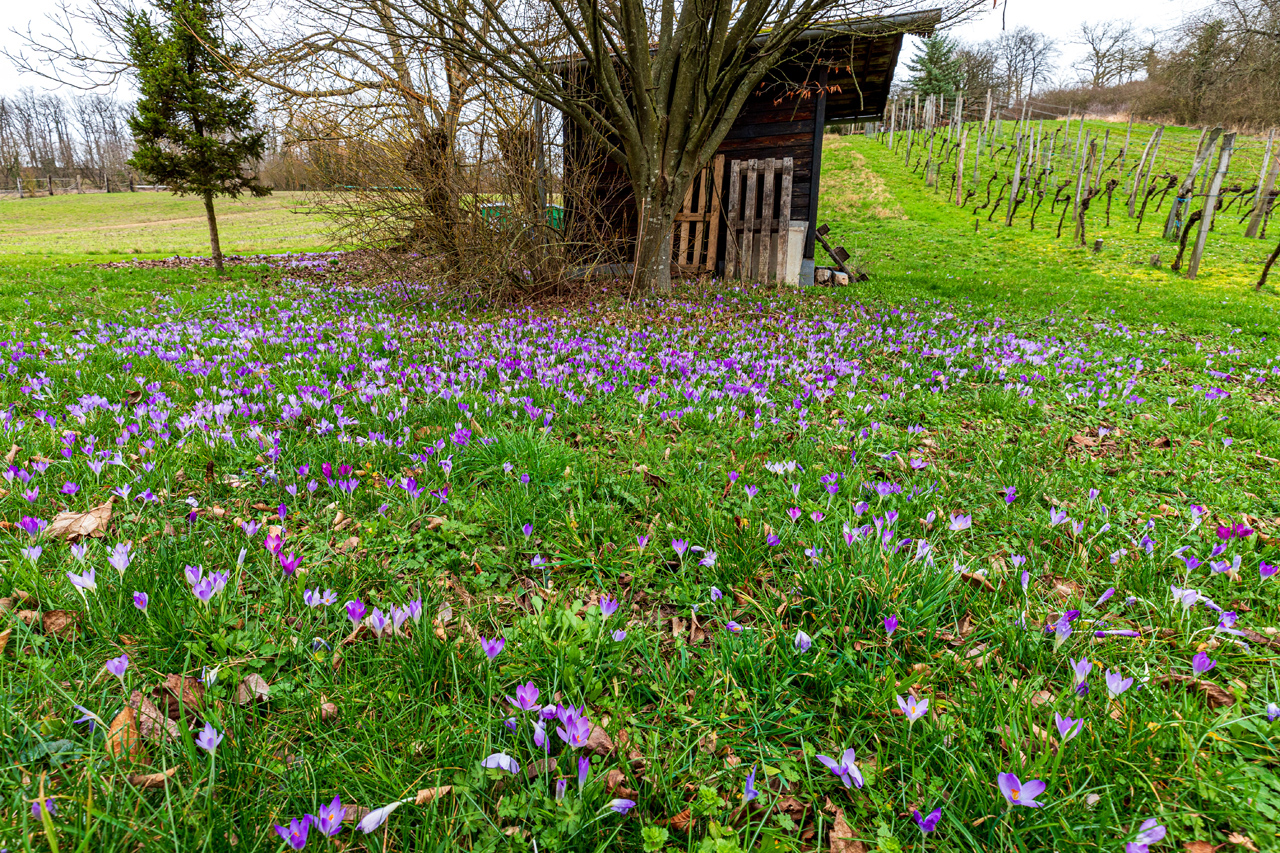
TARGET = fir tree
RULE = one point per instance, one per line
(194, 122)
(937, 69)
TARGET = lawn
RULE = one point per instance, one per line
(732, 569)
(149, 223)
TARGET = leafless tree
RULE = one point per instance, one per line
(1027, 60)
(1114, 53)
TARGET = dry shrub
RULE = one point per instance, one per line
(476, 210)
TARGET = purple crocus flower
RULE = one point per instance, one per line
(492, 647)
(733, 627)
(295, 835)
(930, 823)
(527, 530)
(749, 791)
(716, 594)
(1273, 712)
(584, 767)
(619, 635)
(203, 590)
(622, 805)
(913, 708)
(49, 807)
(1018, 794)
(119, 558)
(378, 817)
(845, 769)
(960, 522)
(526, 697)
(802, 642)
(329, 821)
(680, 546)
(890, 624)
(1103, 599)
(209, 738)
(562, 785)
(117, 666)
(1117, 683)
(355, 611)
(608, 606)
(501, 761)
(290, 564)
(1067, 727)
(377, 621)
(1200, 664)
(1150, 832)
(1266, 570)
(1081, 668)
(575, 731)
(140, 601)
(85, 582)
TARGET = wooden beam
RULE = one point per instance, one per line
(815, 169)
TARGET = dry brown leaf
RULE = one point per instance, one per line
(4, 638)
(426, 795)
(599, 742)
(614, 784)
(152, 780)
(842, 840)
(434, 521)
(1198, 847)
(680, 822)
(1243, 840)
(328, 712)
(1213, 694)
(536, 768)
(72, 526)
(14, 450)
(153, 724)
(123, 740)
(30, 618)
(253, 688)
(978, 581)
(348, 544)
(180, 692)
(63, 624)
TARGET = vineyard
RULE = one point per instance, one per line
(1184, 183)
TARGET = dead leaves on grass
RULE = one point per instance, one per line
(1212, 693)
(73, 526)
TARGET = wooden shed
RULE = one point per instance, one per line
(752, 213)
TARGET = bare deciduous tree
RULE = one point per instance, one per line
(1027, 59)
(1113, 53)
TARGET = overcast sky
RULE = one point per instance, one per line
(1059, 19)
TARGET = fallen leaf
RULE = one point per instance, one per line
(151, 722)
(62, 624)
(978, 581)
(178, 692)
(14, 450)
(614, 784)
(4, 638)
(152, 780)
(1213, 694)
(123, 739)
(1243, 840)
(599, 742)
(1198, 847)
(328, 712)
(77, 525)
(842, 840)
(426, 795)
(434, 521)
(349, 544)
(680, 822)
(29, 618)
(253, 688)
(536, 768)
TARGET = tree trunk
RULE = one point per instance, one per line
(653, 249)
(213, 232)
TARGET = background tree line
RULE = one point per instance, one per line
(1219, 66)
(87, 136)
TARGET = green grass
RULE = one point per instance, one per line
(918, 245)
(151, 224)
(996, 361)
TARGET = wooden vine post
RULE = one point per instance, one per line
(1265, 188)
(1206, 221)
(1172, 225)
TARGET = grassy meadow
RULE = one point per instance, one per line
(291, 560)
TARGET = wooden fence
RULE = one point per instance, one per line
(759, 234)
